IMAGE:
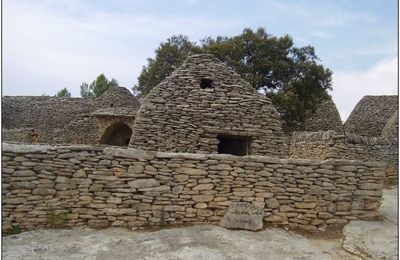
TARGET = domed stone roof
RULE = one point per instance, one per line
(371, 114)
(204, 104)
(117, 97)
(390, 131)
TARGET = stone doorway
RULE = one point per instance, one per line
(118, 134)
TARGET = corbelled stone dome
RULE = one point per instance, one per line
(371, 114)
(206, 107)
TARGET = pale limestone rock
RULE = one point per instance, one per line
(143, 183)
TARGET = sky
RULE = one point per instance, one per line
(52, 44)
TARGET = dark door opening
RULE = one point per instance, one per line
(118, 134)
(236, 145)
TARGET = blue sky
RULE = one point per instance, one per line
(49, 44)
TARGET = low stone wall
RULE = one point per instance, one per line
(333, 145)
(102, 186)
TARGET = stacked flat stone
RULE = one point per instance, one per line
(178, 115)
(390, 131)
(83, 130)
(117, 97)
(47, 116)
(333, 145)
(326, 117)
(23, 135)
(370, 115)
(66, 120)
(131, 188)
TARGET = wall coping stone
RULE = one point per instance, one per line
(150, 155)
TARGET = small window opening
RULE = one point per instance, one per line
(206, 83)
(112, 105)
(236, 145)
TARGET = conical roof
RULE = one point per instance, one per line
(326, 117)
(371, 114)
(200, 101)
(116, 97)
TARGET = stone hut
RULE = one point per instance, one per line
(115, 113)
(326, 117)
(371, 114)
(66, 120)
(206, 107)
(116, 97)
(41, 118)
(390, 131)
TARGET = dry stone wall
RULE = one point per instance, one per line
(108, 186)
(370, 115)
(185, 114)
(390, 131)
(325, 118)
(63, 120)
(333, 145)
(23, 135)
(83, 130)
(46, 115)
(117, 97)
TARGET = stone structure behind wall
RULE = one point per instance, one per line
(390, 131)
(110, 122)
(64, 119)
(24, 135)
(326, 117)
(100, 186)
(117, 97)
(370, 115)
(200, 104)
(332, 145)
(48, 116)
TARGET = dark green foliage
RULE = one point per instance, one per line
(292, 77)
(98, 87)
(63, 93)
(170, 55)
(13, 230)
(56, 220)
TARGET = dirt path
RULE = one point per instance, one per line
(203, 242)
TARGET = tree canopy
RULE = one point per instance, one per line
(97, 87)
(63, 93)
(292, 77)
(170, 55)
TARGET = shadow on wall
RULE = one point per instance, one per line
(118, 134)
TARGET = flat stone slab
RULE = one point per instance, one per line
(243, 215)
(203, 242)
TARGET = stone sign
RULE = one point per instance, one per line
(243, 215)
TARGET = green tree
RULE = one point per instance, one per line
(169, 56)
(97, 87)
(292, 77)
(85, 91)
(63, 93)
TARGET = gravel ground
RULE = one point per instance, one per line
(370, 240)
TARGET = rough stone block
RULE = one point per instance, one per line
(143, 183)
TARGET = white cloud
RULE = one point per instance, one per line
(350, 86)
(49, 45)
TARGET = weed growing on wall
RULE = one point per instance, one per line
(13, 230)
(56, 220)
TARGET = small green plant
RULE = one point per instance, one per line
(56, 220)
(162, 218)
(13, 230)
